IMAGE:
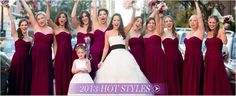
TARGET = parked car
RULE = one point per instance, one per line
(232, 53)
(230, 62)
(8, 47)
(73, 41)
(182, 32)
(230, 36)
(228, 52)
(5, 65)
(6, 54)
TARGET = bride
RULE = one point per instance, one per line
(119, 66)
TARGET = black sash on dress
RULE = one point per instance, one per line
(118, 46)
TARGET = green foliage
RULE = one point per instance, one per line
(182, 10)
(56, 6)
(67, 6)
(179, 10)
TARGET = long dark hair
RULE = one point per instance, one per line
(121, 27)
(217, 26)
(67, 24)
(155, 2)
(149, 19)
(173, 26)
(136, 18)
(89, 17)
(19, 32)
(103, 9)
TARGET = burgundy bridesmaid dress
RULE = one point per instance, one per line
(192, 66)
(17, 75)
(42, 68)
(28, 74)
(154, 60)
(63, 63)
(137, 50)
(80, 39)
(174, 62)
(96, 51)
(215, 78)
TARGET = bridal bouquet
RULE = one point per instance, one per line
(127, 4)
(228, 18)
(4, 3)
(162, 7)
(157, 4)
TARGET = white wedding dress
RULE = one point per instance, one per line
(119, 66)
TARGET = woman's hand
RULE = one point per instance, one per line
(99, 65)
(76, 1)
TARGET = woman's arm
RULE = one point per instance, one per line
(13, 27)
(94, 13)
(49, 20)
(54, 45)
(223, 36)
(159, 23)
(201, 28)
(129, 26)
(105, 49)
(31, 15)
(74, 21)
(154, 12)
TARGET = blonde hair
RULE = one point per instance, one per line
(81, 46)
(193, 16)
(40, 13)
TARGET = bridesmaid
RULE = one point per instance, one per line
(135, 38)
(154, 55)
(174, 58)
(100, 26)
(215, 78)
(193, 59)
(63, 50)
(83, 27)
(42, 74)
(136, 41)
(19, 68)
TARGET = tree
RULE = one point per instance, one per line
(56, 6)
(182, 10)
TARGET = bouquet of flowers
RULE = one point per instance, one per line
(228, 18)
(162, 7)
(4, 3)
(152, 3)
(87, 40)
(157, 4)
(129, 3)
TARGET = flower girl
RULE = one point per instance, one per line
(80, 68)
